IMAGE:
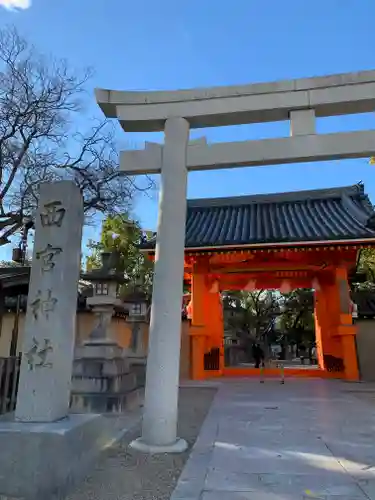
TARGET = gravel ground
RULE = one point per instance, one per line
(124, 474)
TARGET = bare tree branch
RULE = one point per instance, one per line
(40, 99)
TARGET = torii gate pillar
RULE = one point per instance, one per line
(159, 429)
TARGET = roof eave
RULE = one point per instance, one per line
(250, 246)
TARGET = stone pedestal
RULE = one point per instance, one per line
(137, 348)
(103, 317)
(41, 461)
(138, 367)
(137, 353)
(102, 380)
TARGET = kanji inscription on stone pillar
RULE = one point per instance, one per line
(47, 256)
(37, 355)
(49, 336)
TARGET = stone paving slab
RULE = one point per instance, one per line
(210, 495)
(306, 439)
(274, 482)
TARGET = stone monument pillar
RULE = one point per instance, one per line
(159, 430)
(48, 345)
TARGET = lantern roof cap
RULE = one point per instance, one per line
(107, 272)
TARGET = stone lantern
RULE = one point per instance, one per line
(106, 282)
(103, 381)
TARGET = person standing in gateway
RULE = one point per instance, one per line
(258, 355)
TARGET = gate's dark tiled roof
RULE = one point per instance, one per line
(321, 215)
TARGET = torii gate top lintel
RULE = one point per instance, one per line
(299, 101)
(146, 111)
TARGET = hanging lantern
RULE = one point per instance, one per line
(17, 255)
(315, 284)
(285, 287)
(251, 286)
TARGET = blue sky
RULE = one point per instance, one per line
(167, 44)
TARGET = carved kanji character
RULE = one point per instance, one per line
(53, 215)
(39, 352)
(43, 306)
(47, 256)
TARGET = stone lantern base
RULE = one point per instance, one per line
(102, 381)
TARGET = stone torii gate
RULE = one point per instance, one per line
(299, 101)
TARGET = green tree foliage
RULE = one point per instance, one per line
(366, 265)
(121, 234)
(297, 319)
(250, 314)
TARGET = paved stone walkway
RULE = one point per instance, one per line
(302, 440)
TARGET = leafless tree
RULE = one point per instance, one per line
(40, 100)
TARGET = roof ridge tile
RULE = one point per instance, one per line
(291, 196)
